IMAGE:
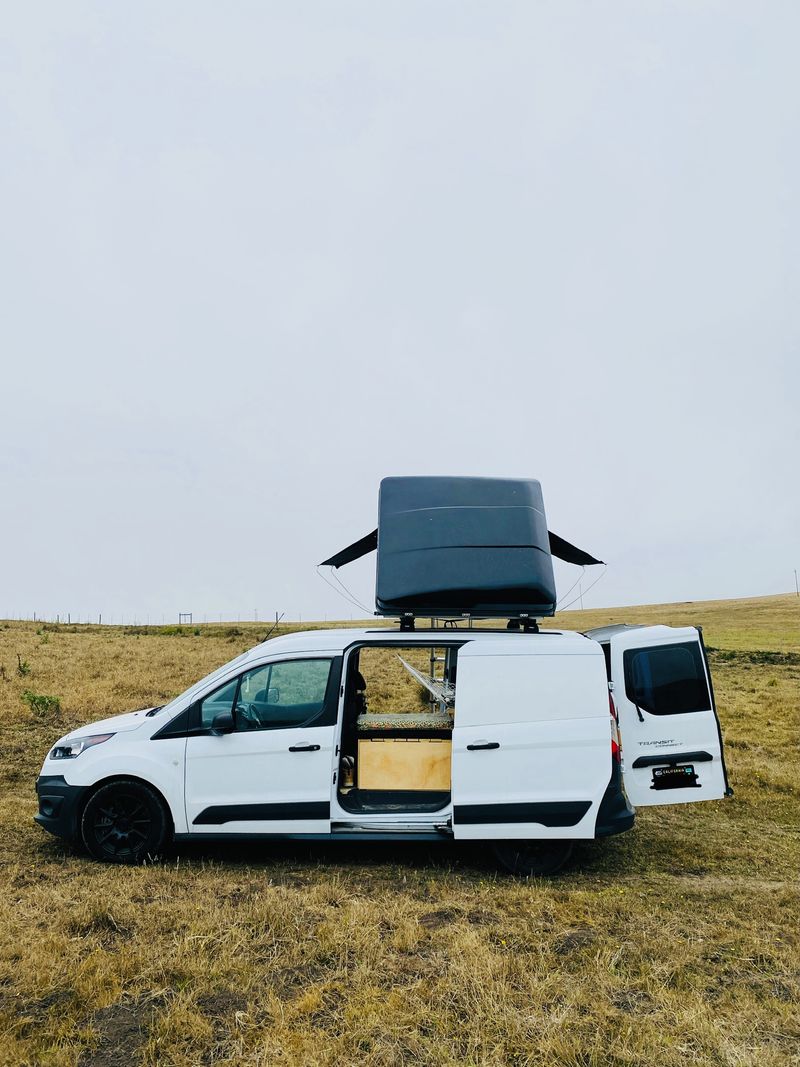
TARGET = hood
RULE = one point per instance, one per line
(116, 724)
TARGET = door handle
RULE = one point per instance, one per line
(304, 748)
(483, 744)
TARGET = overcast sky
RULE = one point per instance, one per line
(256, 256)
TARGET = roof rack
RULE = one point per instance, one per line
(520, 623)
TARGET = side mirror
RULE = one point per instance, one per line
(223, 723)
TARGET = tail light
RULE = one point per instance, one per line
(616, 744)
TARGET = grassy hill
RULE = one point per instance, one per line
(677, 942)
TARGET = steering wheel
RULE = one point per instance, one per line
(249, 713)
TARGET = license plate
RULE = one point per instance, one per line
(681, 776)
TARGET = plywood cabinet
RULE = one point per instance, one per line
(397, 763)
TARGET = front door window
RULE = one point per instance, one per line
(272, 697)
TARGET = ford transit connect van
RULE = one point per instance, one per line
(525, 740)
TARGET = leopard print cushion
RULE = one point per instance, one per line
(400, 721)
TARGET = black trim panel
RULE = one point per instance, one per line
(672, 759)
(335, 835)
(549, 813)
(615, 813)
(59, 805)
(222, 813)
(177, 727)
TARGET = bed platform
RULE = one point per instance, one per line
(409, 752)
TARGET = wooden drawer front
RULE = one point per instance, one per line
(400, 764)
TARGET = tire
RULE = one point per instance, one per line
(125, 821)
(530, 859)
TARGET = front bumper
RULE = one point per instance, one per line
(60, 805)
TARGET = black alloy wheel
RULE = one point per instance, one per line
(124, 822)
(529, 859)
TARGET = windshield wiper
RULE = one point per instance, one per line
(155, 711)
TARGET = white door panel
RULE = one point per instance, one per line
(253, 781)
(273, 773)
(655, 669)
(544, 779)
(531, 742)
(517, 688)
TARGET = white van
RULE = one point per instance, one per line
(511, 738)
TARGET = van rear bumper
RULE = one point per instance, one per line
(615, 813)
(59, 805)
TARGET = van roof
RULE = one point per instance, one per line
(657, 631)
(336, 640)
(604, 633)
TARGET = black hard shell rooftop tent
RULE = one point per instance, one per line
(463, 546)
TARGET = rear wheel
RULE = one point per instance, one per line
(125, 822)
(526, 859)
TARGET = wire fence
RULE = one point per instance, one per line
(180, 618)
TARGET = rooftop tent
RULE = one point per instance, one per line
(474, 546)
(463, 546)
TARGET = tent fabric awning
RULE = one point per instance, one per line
(352, 552)
(559, 548)
(563, 550)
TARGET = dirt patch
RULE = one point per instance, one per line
(32, 1015)
(222, 1005)
(633, 1001)
(59, 999)
(434, 920)
(287, 982)
(574, 940)
(332, 1000)
(122, 1029)
(482, 918)
(240, 894)
(787, 937)
(103, 925)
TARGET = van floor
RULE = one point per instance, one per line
(393, 800)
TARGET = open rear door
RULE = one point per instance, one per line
(671, 740)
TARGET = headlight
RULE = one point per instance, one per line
(71, 749)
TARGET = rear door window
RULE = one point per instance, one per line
(667, 679)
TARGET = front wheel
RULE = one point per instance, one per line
(527, 859)
(124, 822)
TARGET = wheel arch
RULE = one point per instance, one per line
(119, 777)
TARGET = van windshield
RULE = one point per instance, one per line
(667, 679)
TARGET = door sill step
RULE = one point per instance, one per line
(401, 829)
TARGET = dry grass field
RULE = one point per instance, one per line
(676, 943)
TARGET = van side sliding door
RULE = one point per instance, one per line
(671, 740)
(531, 740)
